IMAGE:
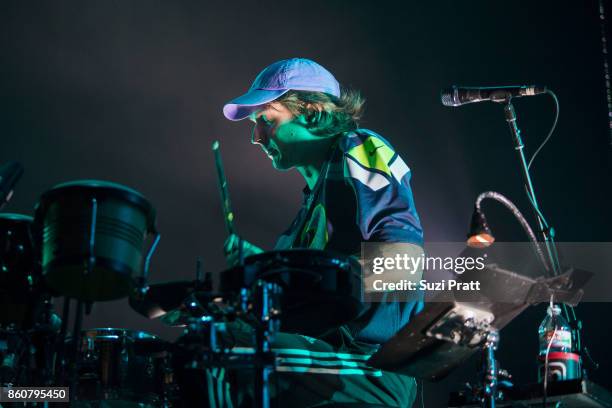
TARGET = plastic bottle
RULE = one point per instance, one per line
(555, 332)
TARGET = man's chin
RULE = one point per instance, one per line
(279, 165)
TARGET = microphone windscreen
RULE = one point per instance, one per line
(446, 97)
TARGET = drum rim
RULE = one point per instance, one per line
(311, 255)
(94, 185)
(16, 217)
(133, 335)
(228, 277)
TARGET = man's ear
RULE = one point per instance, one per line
(302, 120)
(314, 117)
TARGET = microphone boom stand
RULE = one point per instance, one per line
(546, 231)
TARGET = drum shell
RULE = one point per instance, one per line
(16, 252)
(18, 271)
(115, 365)
(92, 238)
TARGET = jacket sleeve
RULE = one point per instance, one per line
(386, 212)
(380, 180)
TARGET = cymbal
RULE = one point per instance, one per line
(161, 298)
(176, 317)
(183, 316)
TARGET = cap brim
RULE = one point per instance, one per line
(242, 106)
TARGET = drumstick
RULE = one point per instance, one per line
(226, 206)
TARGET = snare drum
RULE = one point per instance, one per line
(92, 238)
(123, 367)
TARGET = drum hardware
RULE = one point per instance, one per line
(90, 235)
(10, 173)
(471, 327)
(267, 310)
(205, 314)
(71, 376)
(124, 366)
(141, 281)
(174, 302)
(199, 305)
(173, 298)
(490, 369)
(472, 393)
(18, 355)
(567, 394)
(21, 286)
(26, 356)
(321, 290)
(28, 326)
(11, 351)
(265, 306)
(200, 347)
(291, 287)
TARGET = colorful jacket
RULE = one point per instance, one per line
(362, 195)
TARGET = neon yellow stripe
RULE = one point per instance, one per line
(373, 153)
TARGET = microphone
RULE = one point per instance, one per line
(460, 95)
(10, 174)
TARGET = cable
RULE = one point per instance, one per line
(518, 215)
(552, 129)
(573, 318)
(552, 338)
(555, 258)
(550, 233)
(536, 209)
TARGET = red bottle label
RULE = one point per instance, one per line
(562, 340)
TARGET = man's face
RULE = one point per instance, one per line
(282, 136)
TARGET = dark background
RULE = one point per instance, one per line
(132, 92)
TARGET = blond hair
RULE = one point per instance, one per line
(326, 115)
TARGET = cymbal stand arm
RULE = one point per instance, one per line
(265, 305)
(490, 370)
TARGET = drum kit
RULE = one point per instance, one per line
(90, 241)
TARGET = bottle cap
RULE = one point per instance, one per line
(554, 310)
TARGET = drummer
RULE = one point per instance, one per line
(357, 190)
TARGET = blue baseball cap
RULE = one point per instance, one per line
(298, 74)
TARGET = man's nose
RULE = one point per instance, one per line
(259, 136)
